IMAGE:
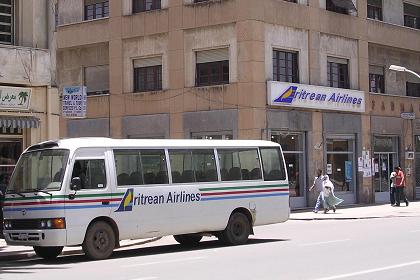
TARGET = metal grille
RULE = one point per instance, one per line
(6, 22)
(25, 224)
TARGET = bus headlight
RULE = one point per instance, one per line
(54, 223)
(7, 224)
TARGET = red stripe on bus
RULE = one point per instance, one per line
(62, 201)
(240, 192)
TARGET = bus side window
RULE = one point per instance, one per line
(272, 164)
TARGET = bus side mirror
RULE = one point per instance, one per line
(76, 184)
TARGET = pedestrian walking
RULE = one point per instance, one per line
(318, 187)
(330, 200)
(392, 178)
(399, 187)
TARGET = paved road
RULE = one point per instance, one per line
(377, 248)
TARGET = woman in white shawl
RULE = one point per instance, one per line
(330, 200)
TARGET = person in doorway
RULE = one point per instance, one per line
(330, 200)
(392, 179)
(399, 187)
(318, 186)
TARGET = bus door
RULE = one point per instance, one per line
(94, 199)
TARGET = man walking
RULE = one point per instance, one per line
(399, 186)
(317, 185)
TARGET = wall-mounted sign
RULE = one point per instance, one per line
(15, 98)
(315, 97)
(408, 116)
(74, 102)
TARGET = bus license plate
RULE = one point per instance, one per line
(23, 236)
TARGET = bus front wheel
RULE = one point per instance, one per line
(237, 230)
(188, 239)
(48, 253)
(99, 241)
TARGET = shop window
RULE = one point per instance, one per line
(285, 66)
(340, 163)
(294, 156)
(148, 74)
(95, 9)
(239, 164)
(340, 6)
(212, 67)
(97, 79)
(374, 9)
(140, 167)
(10, 151)
(413, 89)
(146, 5)
(6, 21)
(418, 143)
(376, 79)
(385, 159)
(338, 73)
(411, 16)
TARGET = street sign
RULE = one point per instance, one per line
(408, 116)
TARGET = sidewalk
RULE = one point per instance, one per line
(8, 253)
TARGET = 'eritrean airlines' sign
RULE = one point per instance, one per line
(74, 102)
(15, 98)
(315, 97)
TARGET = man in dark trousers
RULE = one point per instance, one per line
(399, 187)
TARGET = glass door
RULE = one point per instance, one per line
(383, 166)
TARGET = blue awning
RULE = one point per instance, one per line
(19, 122)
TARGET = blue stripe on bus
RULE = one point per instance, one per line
(59, 208)
(243, 196)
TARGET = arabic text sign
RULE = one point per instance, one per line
(15, 98)
(315, 97)
(74, 102)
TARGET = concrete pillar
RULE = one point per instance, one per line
(315, 153)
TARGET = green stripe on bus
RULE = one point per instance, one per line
(61, 196)
(243, 187)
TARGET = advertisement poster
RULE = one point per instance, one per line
(348, 171)
(74, 102)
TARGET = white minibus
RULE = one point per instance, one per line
(95, 192)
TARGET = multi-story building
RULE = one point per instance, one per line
(312, 75)
(29, 107)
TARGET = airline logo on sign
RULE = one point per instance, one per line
(315, 97)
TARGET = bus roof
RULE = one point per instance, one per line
(98, 142)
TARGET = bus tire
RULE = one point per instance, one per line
(99, 241)
(237, 230)
(48, 253)
(188, 240)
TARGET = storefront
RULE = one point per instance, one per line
(385, 159)
(331, 142)
(417, 167)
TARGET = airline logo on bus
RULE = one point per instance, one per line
(129, 200)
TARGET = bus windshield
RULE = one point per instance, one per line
(39, 170)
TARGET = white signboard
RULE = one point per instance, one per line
(74, 102)
(315, 97)
(15, 98)
(408, 116)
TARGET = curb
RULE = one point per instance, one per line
(20, 255)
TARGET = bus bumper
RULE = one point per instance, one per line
(51, 237)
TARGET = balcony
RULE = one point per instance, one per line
(83, 33)
(25, 66)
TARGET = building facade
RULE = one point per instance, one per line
(312, 75)
(29, 107)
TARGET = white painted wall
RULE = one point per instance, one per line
(287, 38)
(210, 38)
(339, 47)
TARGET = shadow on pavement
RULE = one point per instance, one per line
(31, 265)
(350, 218)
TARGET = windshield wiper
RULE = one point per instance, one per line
(46, 192)
(18, 193)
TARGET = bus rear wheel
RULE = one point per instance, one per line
(48, 253)
(99, 241)
(188, 240)
(237, 230)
